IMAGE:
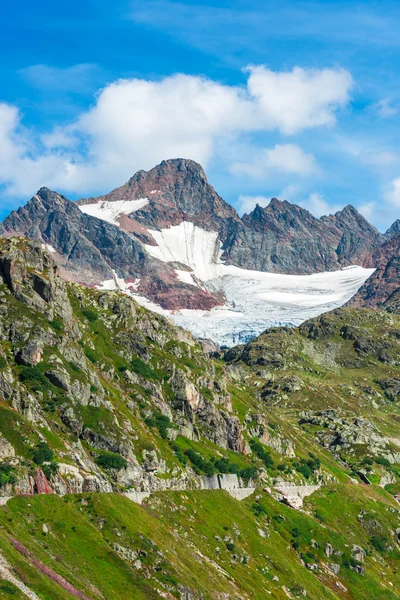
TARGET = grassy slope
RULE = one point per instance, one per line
(177, 535)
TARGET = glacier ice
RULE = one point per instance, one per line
(255, 300)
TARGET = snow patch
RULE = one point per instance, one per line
(50, 248)
(112, 211)
(185, 277)
(190, 245)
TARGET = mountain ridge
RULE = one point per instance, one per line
(152, 237)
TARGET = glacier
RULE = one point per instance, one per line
(255, 300)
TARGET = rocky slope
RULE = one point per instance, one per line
(97, 395)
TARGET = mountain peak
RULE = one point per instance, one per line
(177, 190)
(171, 167)
(393, 230)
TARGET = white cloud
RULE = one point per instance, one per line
(294, 100)
(392, 195)
(136, 123)
(315, 203)
(368, 152)
(385, 108)
(367, 210)
(284, 158)
(247, 203)
(78, 78)
(318, 205)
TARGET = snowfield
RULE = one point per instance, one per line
(254, 300)
(112, 211)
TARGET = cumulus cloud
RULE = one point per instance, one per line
(318, 205)
(392, 195)
(294, 100)
(284, 158)
(136, 123)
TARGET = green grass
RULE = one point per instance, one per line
(174, 546)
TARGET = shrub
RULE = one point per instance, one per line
(8, 589)
(383, 461)
(111, 460)
(50, 469)
(3, 362)
(296, 532)
(224, 465)
(379, 542)
(230, 546)
(314, 463)
(263, 454)
(6, 474)
(33, 375)
(57, 325)
(278, 518)
(162, 422)
(179, 454)
(248, 473)
(141, 368)
(258, 509)
(201, 465)
(90, 315)
(305, 470)
(91, 355)
(42, 453)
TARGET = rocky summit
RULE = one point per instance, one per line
(170, 241)
(139, 462)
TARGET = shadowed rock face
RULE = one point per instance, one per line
(281, 238)
(385, 281)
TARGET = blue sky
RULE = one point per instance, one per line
(299, 100)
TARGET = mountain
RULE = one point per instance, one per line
(137, 463)
(167, 238)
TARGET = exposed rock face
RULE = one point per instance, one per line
(357, 237)
(385, 281)
(32, 277)
(339, 433)
(285, 238)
